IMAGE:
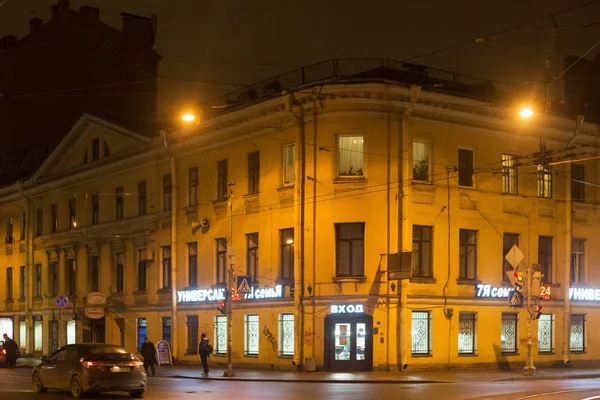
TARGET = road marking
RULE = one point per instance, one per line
(591, 398)
(559, 392)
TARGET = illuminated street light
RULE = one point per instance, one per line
(526, 112)
(188, 117)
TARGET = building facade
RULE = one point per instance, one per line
(309, 193)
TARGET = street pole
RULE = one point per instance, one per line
(174, 341)
(529, 369)
(229, 300)
(566, 347)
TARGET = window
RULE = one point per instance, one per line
(166, 329)
(508, 336)
(508, 241)
(421, 251)
(578, 261)
(465, 167)
(106, 149)
(289, 161)
(39, 223)
(120, 270)
(467, 333)
(93, 273)
(544, 180)
(252, 255)
(192, 334)
(221, 261)
(253, 172)
(71, 276)
(350, 155)
(9, 230)
(167, 192)
(421, 333)
(54, 221)
(22, 276)
(546, 333)
(193, 187)
(350, 243)
(142, 271)
(9, 283)
(37, 281)
(220, 334)
(251, 335)
(142, 197)
(23, 227)
(72, 219)
(141, 332)
(545, 257)
(420, 161)
(166, 270)
(222, 193)
(192, 264)
(95, 149)
(509, 174)
(286, 243)
(286, 335)
(468, 254)
(95, 208)
(119, 204)
(577, 333)
(53, 278)
(578, 183)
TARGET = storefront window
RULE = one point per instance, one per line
(22, 335)
(6, 326)
(508, 336)
(467, 333)
(220, 334)
(71, 332)
(421, 333)
(166, 329)
(361, 342)
(141, 332)
(343, 337)
(546, 333)
(37, 335)
(251, 334)
(577, 333)
(286, 334)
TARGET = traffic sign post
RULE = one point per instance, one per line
(244, 284)
(61, 301)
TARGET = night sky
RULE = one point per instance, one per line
(243, 41)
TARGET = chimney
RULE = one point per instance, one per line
(139, 31)
(8, 42)
(34, 24)
(59, 8)
(90, 13)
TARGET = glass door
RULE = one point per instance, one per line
(361, 341)
(349, 343)
(343, 341)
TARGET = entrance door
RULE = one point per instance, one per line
(53, 337)
(349, 344)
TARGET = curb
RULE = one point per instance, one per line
(547, 378)
(386, 381)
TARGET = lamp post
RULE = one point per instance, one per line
(229, 305)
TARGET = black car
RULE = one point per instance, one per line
(87, 368)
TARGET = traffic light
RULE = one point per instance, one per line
(518, 280)
(221, 307)
(537, 312)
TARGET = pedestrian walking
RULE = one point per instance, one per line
(149, 354)
(12, 349)
(205, 350)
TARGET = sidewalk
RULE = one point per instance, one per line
(194, 372)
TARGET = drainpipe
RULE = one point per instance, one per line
(174, 339)
(388, 233)
(298, 112)
(402, 169)
(314, 228)
(566, 347)
(28, 321)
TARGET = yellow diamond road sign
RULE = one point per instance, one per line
(514, 256)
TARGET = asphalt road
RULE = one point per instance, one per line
(16, 384)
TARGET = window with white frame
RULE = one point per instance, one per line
(421, 333)
(544, 181)
(546, 333)
(578, 261)
(251, 335)
(420, 159)
(286, 335)
(289, 160)
(508, 335)
(220, 334)
(467, 333)
(509, 174)
(577, 333)
(350, 155)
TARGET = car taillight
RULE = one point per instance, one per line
(138, 363)
(3, 351)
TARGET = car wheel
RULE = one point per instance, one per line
(37, 383)
(136, 394)
(76, 386)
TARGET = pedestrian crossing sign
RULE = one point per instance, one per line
(244, 284)
(515, 299)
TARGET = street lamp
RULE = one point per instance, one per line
(526, 113)
(187, 118)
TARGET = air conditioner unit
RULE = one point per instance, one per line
(8, 239)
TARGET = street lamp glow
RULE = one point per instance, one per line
(526, 112)
(188, 117)
(290, 241)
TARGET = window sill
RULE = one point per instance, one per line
(164, 291)
(285, 187)
(343, 279)
(191, 209)
(218, 202)
(38, 298)
(422, 280)
(117, 294)
(250, 195)
(421, 355)
(350, 179)
(511, 195)
(420, 182)
(283, 357)
(9, 301)
(140, 292)
(471, 188)
(467, 281)
(284, 282)
(22, 300)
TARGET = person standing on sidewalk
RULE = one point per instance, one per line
(149, 354)
(11, 348)
(205, 350)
